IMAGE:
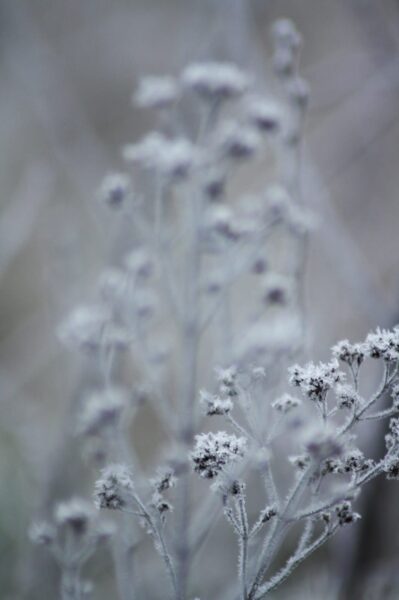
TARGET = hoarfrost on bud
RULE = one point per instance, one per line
(286, 403)
(349, 353)
(213, 451)
(90, 327)
(383, 344)
(345, 514)
(156, 92)
(277, 289)
(75, 514)
(214, 404)
(172, 158)
(113, 488)
(215, 81)
(114, 189)
(164, 480)
(237, 142)
(42, 533)
(265, 115)
(315, 380)
(102, 409)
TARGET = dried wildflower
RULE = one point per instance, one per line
(88, 328)
(102, 410)
(113, 487)
(354, 461)
(215, 405)
(237, 142)
(315, 381)
(42, 533)
(286, 403)
(160, 504)
(331, 465)
(345, 514)
(173, 158)
(268, 513)
(164, 480)
(156, 92)
(284, 33)
(352, 354)
(265, 115)
(75, 514)
(300, 461)
(383, 344)
(213, 451)
(215, 81)
(391, 467)
(347, 396)
(114, 189)
(298, 92)
(276, 289)
(139, 263)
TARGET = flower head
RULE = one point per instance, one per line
(113, 487)
(213, 451)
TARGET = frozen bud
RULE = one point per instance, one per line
(238, 142)
(354, 461)
(215, 405)
(145, 303)
(173, 158)
(214, 184)
(215, 81)
(102, 410)
(391, 467)
(315, 380)
(298, 91)
(268, 513)
(331, 465)
(88, 328)
(112, 286)
(227, 377)
(326, 517)
(352, 354)
(213, 451)
(114, 189)
(265, 115)
(219, 219)
(156, 92)
(347, 396)
(160, 503)
(276, 289)
(285, 34)
(345, 514)
(139, 263)
(300, 461)
(164, 480)
(322, 444)
(42, 533)
(383, 344)
(113, 488)
(286, 403)
(75, 514)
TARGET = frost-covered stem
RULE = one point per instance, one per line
(70, 583)
(277, 532)
(386, 381)
(160, 543)
(270, 484)
(190, 345)
(243, 541)
(295, 560)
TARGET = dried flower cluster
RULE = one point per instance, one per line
(194, 247)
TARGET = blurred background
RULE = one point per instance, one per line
(68, 69)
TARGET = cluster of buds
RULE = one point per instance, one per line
(315, 381)
(213, 451)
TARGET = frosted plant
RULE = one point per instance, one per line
(198, 252)
(72, 538)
